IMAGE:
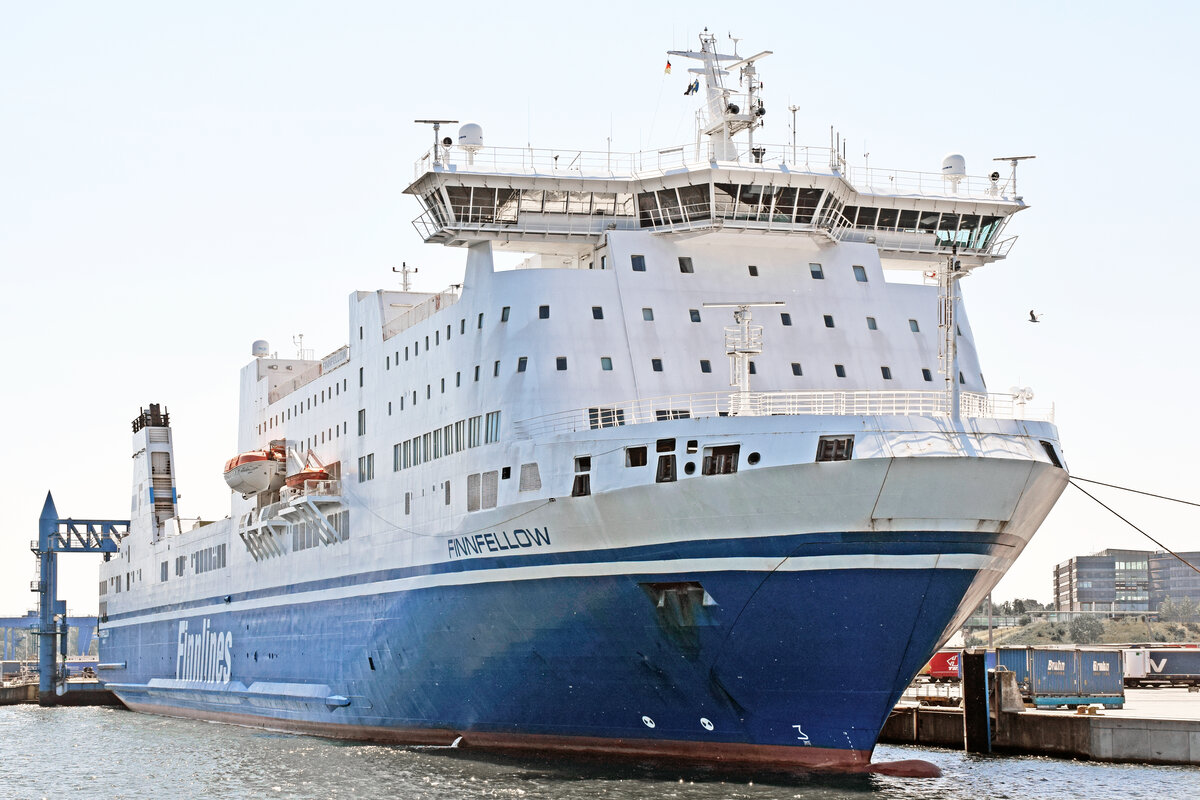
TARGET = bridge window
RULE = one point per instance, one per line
(635, 456)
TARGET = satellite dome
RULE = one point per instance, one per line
(954, 166)
(470, 135)
(260, 348)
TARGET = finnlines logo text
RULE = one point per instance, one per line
(497, 541)
(204, 656)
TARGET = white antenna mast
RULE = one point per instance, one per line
(301, 353)
(446, 143)
(742, 341)
(405, 270)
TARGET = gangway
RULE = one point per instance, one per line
(56, 536)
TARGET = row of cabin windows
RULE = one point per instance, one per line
(415, 348)
(638, 263)
(335, 389)
(785, 318)
(656, 364)
(446, 441)
(717, 460)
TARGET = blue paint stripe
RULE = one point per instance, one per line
(807, 544)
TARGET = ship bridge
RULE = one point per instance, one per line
(566, 200)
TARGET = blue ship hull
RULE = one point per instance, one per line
(796, 666)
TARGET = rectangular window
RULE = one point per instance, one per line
(597, 312)
(860, 274)
(477, 373)
(521, 363)
(635, 456)
(397, 457)
(504, 314)
(828, 320)
(479, 322)
(437, 443)
(887, 373)
(871, 326)
(427, 447)
(648, 314)
(492, 427)
(685, 265)
(360, 376)
(753, 271)
(839, 370)
(720, 460)
(605, 417)
(926, 374)
(694, 314)
(785, 318)
(816, 271)
(913, 326)
(639, 263)
(362, 422)
(496, 370)
(561, 363)
(656, 364)
(543, 312)
(796, 368)
(605, 363)
(705, 366)
(582, 485)
(835, 448)
(162, 571)
(666, 469)
(474, 431)
(664, 446)
(753, 369)
(460, 437)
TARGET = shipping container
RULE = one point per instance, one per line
(1016, 660)
(1101, 673)
(1163, 666)
(945, 666)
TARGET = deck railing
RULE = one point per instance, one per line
(714, 404)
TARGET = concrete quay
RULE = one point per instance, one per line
(1156, 726)
(74, 693)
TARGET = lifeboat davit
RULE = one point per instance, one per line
(256, 471)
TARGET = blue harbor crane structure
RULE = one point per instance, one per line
(56, 536)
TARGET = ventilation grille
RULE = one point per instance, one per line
(531, 479)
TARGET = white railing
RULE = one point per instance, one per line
(647, 163)
(421, 311)
(326, 488)
(328, 364)
(432, 222)
(712, 404)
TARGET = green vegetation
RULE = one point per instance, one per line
(1092, 630)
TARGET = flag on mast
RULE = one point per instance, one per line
(667, 71)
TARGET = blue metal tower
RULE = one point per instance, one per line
(63, 536)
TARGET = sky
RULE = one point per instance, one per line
(178, 180)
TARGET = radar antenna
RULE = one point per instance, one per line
(445, 143)
(1014, 160)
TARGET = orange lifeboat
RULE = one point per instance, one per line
(256, 471)
(313, 470)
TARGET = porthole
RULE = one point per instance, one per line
(753, 458)
(689, 468)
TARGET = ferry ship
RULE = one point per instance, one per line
(707, 478)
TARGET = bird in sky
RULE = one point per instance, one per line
(1034, 317)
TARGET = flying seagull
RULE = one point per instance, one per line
(1034, 317)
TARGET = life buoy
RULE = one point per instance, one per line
(931, 274)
